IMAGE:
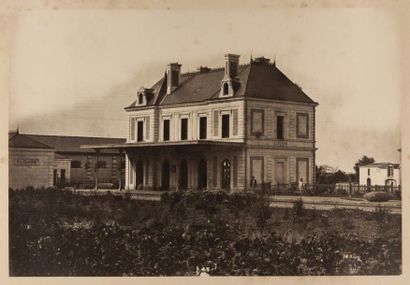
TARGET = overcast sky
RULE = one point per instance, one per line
(74, 72)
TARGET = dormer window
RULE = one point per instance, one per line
(225, 89)
(390, 170)
(144, 95)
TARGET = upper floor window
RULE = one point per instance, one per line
(390, 170)
(202, 128)
(368, 171)
(280, 126)
(302, 127)
(166, 127)
(225, 126)
(257, 122)
(75, 164)
(140, 131)
(184, 128)
(140, 99)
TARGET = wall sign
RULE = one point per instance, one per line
(27, 162)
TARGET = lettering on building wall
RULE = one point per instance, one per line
(27, 162)
(280, 143)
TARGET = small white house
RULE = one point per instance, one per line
(382, 173)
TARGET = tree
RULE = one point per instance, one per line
(365, 160)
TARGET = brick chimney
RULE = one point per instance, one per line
(173, 76)
(231, 65)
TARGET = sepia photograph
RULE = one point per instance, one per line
(229, 141)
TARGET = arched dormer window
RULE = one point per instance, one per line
(225, 89)
(140, 99)
(390, 170)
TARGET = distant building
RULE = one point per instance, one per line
(48, 160)
(380, 174)
(220, 129)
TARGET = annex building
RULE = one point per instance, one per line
(50, 160)
(219, 129)
(380, 174)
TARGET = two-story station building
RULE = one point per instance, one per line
(218, 128)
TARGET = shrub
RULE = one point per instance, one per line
(377, 196)
(298, 208)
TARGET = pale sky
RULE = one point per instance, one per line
(73, 72)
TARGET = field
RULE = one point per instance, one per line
(58, 233)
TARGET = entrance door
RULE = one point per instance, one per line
(226, 175)
(55, 177)
(202, 174)
(183, 175)
(165, 175)
(62, 171)
(139, 174)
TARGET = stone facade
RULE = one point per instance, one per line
(223, 141)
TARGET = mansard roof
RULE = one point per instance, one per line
(257, 80)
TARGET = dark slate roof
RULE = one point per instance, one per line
(70, 144)
(267, 81)
(22, 141)
(382, 165)
(258, 80)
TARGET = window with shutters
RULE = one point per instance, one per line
(184, 128)
(140, 130)
(225, 125)
(132, 129)
(147, 128)
(165, 130)
(235, 123)
(202, 128)
(216, 122)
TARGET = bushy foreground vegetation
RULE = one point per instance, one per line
(53, 232)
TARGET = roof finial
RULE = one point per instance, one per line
(18, 127)
(251, 58)
(274, 60)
